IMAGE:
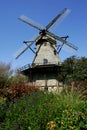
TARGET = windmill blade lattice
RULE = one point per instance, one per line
(29, 43)
(62, 40)
(58, 18)
(45, 32)
(20, 52)
(29, 22)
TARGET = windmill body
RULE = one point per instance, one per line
(46, 65)
(46, 52)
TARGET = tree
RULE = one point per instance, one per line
(5, 73)
(81, 69)
(74, 69)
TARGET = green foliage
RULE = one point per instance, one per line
(73, 69)
(37, 110)
(45, 111)
(70, 120)
(72, 115)
(81, 69)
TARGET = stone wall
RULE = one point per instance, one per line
(52, 85)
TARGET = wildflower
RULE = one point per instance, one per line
(73, 114)
(67, 112)
(62, 122)
(71, 127)
(68, 119)
(51, 124)
(80, 113)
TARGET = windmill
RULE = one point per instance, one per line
(46, 63)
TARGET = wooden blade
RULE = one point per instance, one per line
(29, 22)
(62, 40)
(62, 14)
(22, 50)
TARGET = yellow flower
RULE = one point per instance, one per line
(67, 112)
(68, 119)
(51, 124)
(73, 114)
(62, 122)
(71, 127)
(80, 113)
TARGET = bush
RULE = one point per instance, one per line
(81, 86)
(18, 90)
(45, 111)
(72, 113)
(15, 86)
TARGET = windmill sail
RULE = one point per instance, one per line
(45, 33)
(29, 22)
(59, 18)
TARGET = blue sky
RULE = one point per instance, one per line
(13, 32)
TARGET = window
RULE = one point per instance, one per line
(54, 52)
(45, 61)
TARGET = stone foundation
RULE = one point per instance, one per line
(51, 85)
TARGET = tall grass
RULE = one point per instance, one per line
(45, 111)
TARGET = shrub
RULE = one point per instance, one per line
(45, 111)
(20, 89)
(81, 86)
(72, 114)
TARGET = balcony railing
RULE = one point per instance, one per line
(38, 64)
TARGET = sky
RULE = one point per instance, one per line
(13, 32)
